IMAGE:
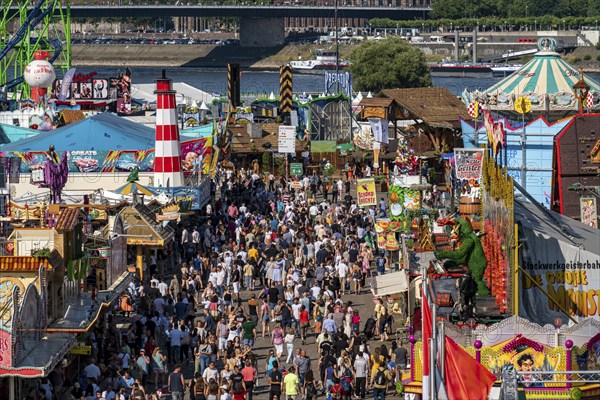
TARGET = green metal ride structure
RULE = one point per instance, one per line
(28, 26)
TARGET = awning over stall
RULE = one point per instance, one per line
(43, 356)
(82, 315)
(396, 282)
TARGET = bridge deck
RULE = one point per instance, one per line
(264, 11)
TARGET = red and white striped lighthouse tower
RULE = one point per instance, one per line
(167, 152)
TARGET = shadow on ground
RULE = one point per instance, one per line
(220, 56)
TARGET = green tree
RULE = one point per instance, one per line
(593, 8)
(451, 9)
(455, 9)
(389, 63)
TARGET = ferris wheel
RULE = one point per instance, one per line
(26, 27)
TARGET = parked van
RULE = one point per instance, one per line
(436, 39)
(417, 39)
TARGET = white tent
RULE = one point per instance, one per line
(357, 99)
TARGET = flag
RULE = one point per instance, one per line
(385, 135)
(590, 100)
(473, 109)
(465, 377)
(426, 335)
(376, 129)
(66, 84)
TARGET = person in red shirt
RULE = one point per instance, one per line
(249, 374)
(304, 323)
(336, 390)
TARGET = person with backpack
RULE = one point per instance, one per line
(336, 389)
(346, 378)
(379, 382)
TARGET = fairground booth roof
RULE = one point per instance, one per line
(547, 80)
(435, 106)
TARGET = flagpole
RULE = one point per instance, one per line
(424, 303)
(442, 344)
(433, 351)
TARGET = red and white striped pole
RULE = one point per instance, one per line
(167, 151)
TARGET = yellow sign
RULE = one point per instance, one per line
(365, 192)
(375, 112)
(81, 350)
(523, 105)
(144, 242)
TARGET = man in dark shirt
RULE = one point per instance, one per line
(401, 357)
(153, 291)
(275, 382)
(209, 322)
(352, 254)
(270, 252)
(180, 308)
(237, 380)
(321, 255)
(273, 296)
(340, 343)
(286, 315)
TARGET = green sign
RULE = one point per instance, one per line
(296, 169)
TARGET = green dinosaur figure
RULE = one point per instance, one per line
(133, 175)
(470, 253)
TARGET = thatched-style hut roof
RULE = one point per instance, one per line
(242, 143)
(69, 116)
(435, 106)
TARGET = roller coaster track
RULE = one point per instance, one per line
(36, 19)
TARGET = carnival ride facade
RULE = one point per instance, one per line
(546, 81)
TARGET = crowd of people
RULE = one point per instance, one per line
(267, 265)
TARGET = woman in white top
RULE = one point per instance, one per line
(289, 343)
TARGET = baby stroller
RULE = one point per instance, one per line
(369, 330)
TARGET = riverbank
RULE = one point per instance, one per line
(194, 55)
(213, 56)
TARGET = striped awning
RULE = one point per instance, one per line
(547, 80)
(546, 73)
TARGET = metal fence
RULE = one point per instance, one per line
(513, 380)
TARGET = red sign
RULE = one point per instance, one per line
(5, 349)
(84, 78)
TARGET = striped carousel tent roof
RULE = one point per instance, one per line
(546, 73)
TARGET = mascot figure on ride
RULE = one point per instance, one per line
(56, 172)
(470, 253)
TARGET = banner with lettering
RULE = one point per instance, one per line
(589, 213)
(568, 273)
(469, 164)
(6, 348)
(365, 192)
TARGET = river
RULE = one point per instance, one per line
(211, 80)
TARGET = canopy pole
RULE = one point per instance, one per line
(11, 388)
(139, 261)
